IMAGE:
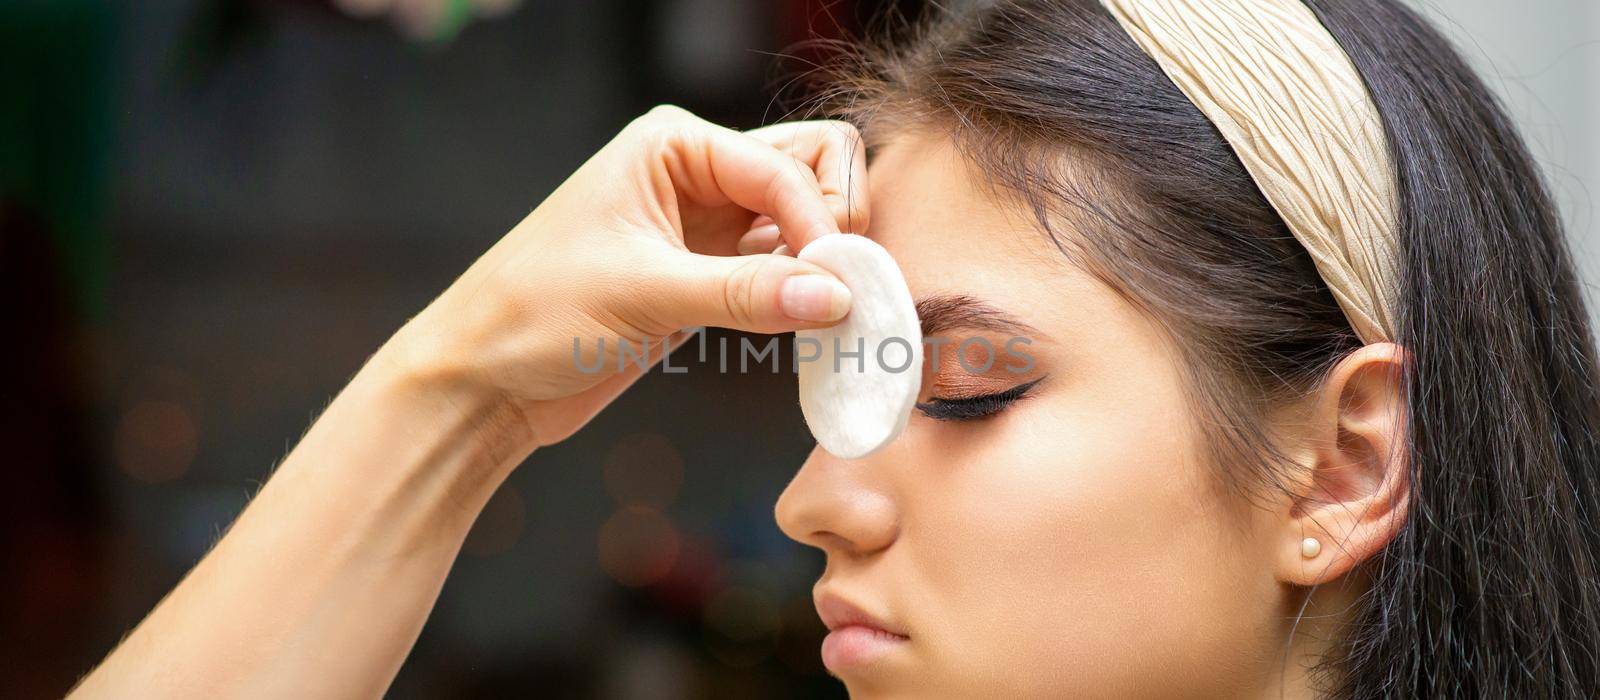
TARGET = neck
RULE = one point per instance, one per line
(1316, 624)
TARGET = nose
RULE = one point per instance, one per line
(839, 506)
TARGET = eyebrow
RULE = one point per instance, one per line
(944, 312)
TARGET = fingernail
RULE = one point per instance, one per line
(814, 298)
(761, 239)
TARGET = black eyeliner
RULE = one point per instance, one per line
(974, 407)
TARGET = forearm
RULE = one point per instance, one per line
(321, 586)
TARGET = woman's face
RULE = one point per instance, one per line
(1073, 543)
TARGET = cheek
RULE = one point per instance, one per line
(1081, 533)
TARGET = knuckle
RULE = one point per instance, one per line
(794, 180)
(780, 193)
(667, 111)
(739, 290)
(662, 117)
(844, 131)
(670, 114)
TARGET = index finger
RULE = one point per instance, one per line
(835, 151)
(713, 165)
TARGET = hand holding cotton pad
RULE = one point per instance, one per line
(858, 393)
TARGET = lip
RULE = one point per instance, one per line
(855, 638)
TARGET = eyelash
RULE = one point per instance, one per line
(974, 407)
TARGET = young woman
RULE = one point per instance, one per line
(1313, 411)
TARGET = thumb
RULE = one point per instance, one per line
(761, 293)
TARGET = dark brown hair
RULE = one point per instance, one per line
(1491, 587)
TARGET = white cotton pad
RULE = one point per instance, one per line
(855, 404)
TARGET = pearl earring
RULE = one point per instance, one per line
(1310, 547)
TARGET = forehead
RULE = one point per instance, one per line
(952, 234)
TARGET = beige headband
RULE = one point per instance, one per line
(1294, 108)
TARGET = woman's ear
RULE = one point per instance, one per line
(1354, 498)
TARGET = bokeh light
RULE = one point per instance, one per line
(742, 621)
(638, 546)
(156, 441)
(644, 469)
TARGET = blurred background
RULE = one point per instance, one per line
(212, 211)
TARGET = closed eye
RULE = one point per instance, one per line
(974, 407)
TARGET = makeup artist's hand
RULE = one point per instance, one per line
(642, 241)
(326, 578)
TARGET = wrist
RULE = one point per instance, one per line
(413, 369)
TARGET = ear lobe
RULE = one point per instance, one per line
(1357, 493)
